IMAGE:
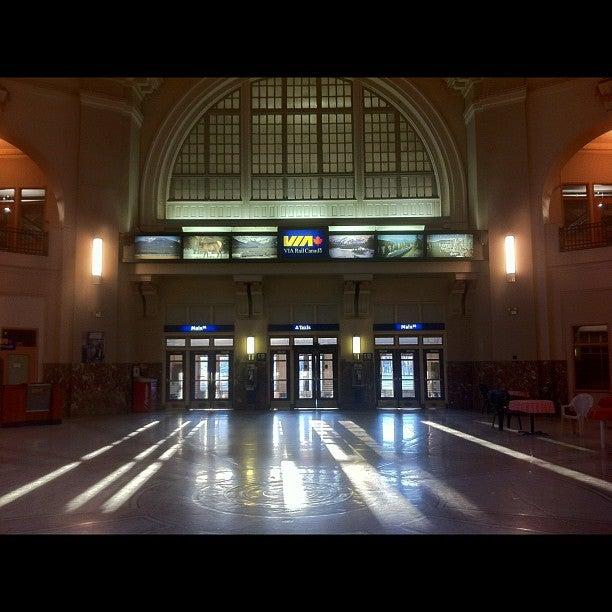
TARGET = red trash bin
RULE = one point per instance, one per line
(144, 394)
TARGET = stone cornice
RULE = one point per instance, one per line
(462, 85)
(141, 86)
(513, 96)
(116, 105)
(605, 93)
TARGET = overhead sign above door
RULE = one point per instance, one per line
(304, 327)
(408, 326)
(198, 328)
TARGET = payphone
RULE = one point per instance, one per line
(357, 378)
(250, 380)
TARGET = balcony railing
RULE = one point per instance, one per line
(586, 236)
(24, 241)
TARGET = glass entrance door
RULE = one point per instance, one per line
(397, 378)
(316, 377)
(211, 379)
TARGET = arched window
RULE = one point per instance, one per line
(289, 147)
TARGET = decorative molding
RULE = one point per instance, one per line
(3, 96)
(462, 85)
(348, 298)
(605, 93)
(509, 97)
(115, 105)
(305, 209)
(141, 86)
(363, 303)
(150, 298)
(39, 89)
(556, 88)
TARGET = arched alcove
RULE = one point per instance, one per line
(21, 166)
(552, 193)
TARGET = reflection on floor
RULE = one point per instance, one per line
(437, 471)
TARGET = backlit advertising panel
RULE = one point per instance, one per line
(307, 244)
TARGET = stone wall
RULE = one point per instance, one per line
(542, 379)
(98, 388)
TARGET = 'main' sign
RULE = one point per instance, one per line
(302, 243)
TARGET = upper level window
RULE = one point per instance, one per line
(586, 203)
(302, 139)
(23, 208)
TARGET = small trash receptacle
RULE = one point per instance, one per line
(144, 394)
(38, 398)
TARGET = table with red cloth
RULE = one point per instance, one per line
(602, 413)
(532, 407)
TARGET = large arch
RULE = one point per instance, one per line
(551, 200)
(53, 183)
(417, 109)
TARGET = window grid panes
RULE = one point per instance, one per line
(396, 161)
(208, 164)
(279, 376)
(302, 133)
(433, 373)
(32, 210)
(327, 340)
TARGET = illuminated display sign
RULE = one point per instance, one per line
(306, 327)
(303, 243)
(157, 247)
(352, 246)
(200, 327)
(450, 245)
(206, 247)
(398, 246)
(408, 326)
(308, 244)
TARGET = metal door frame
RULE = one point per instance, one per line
(315, 351)
(211, 402)
(397, 401)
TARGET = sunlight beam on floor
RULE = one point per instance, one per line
(552, 467)
(383, 501)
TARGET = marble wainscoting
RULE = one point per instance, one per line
(541, 379)
(98, 388)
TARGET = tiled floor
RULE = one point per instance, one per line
(309, 472)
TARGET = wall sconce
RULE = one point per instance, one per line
(96, 259)
(356, 347)
(250, 347)
(510, 248)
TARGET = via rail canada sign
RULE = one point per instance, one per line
(303, 243)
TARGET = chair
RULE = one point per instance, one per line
(484, 393)
(498, 400)
(577, 410)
